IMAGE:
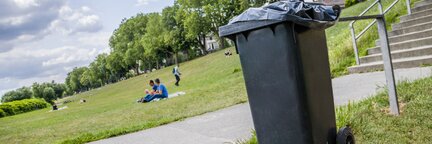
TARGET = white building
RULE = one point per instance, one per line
(211, 43)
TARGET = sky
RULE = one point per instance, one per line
(43, 40)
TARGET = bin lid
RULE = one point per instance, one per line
(311, 15)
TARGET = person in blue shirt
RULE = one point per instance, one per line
(160, 93)
(149, 94)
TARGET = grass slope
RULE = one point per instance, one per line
(371, 122)
(339, 41)
(211, 83)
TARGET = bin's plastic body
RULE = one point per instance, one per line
(287, 75)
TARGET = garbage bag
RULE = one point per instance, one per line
(312, 15)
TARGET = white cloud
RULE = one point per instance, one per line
(100, 39)
(23, 21)
(74, 21)
(85, 9)
(26, 3)
(31, 17)
(70, 55)
(43, 63)
(144, 2)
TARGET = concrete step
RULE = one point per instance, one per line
(416, 15)
(404, 45)
(408, 36)
(397, 64)
(422, 7)
(422, 3)
(418, 20)
(399, 54)
(410, 29)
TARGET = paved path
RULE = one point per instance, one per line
(231, 124)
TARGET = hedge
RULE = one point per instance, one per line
(2, 113)
(21, 106)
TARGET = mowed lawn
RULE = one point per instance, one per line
(211, 83)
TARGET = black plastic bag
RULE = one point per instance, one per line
(312, 15)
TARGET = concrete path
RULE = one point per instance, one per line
(228, 125)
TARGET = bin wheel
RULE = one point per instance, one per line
(345, 136)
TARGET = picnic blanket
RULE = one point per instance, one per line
(176, 94)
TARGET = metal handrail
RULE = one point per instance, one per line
(374, 21)
(355, 38)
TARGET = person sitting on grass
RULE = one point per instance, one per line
(161, 92)
(149, 94)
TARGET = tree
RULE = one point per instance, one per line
(175, 34)
(153, 40)
(196, 25)
(86, 79)
(125, 41)
(49, 95)
(115, 66)
(73, 80)
(219, 12)
(99, 71)
(19, 94)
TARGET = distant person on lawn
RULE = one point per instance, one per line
(160, 93)
(149, 94)
(177, 74)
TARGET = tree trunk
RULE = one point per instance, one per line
(222, 43)
(150, 67)
(137, 69)
(176, 58)
(202, 42)
(187, 55)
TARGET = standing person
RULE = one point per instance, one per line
(177, 74)
(160, 93)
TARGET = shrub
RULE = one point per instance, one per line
(2, 113)
(8, 109)
(21, 106)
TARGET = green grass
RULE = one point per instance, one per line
(339, 39)
(211, 83)
(372, 123)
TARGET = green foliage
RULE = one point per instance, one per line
(253, 140)
(236, 70)
(49, 95)
(130, 75)
(372, 123)
(9, 109)
(60, 90)
(21, 106)
(2, 113)
(349, 3)
(19, 94)
(73, 80)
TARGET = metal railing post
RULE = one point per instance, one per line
(408, 3)
(388, 66)
(354, 41)
(380, 7)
